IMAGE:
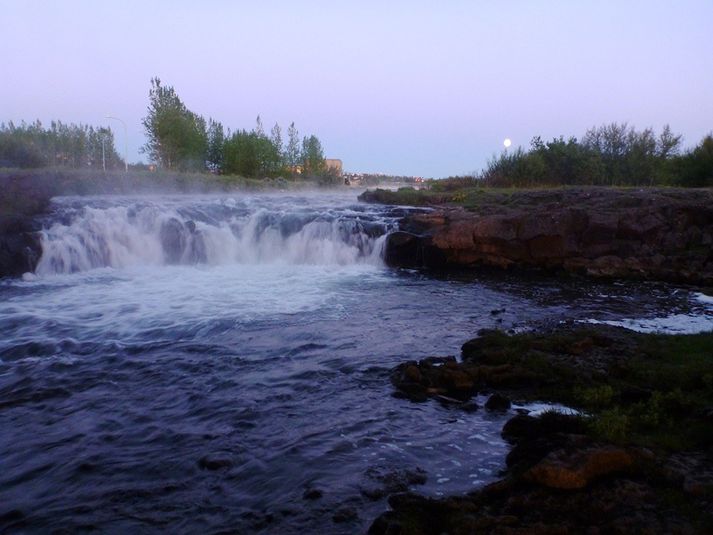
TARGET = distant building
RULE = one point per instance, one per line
(334, 166)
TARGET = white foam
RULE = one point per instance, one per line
(703, 298)
(672, 324)
(154, 233)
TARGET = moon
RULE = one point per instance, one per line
(507, 142)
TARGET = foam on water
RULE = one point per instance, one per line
(697, 319)
(671, 324)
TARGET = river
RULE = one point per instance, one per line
(201, 363)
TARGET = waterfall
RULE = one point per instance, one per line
(217, 232)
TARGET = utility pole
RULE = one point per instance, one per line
(126, 142)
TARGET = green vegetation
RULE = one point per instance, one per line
(179, 139)
(610, 155)
(61, 145)
(650, 389)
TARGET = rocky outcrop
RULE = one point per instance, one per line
(21, 202)
(559, 481)
(20, 247)
(604, 232)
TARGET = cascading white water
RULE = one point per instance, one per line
(254, 230)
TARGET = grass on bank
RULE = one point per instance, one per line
(481, 197)
(653, 390)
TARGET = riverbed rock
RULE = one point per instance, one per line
(381, 482)
(575, 469)
(440, 376)
(20, 247)
(498, 402)
(650, 233)
(173, 237)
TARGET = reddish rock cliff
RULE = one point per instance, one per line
(664, 234)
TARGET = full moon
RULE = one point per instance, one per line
(507, 142)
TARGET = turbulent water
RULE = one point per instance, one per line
(198, 363)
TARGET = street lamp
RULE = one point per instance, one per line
(126, 142)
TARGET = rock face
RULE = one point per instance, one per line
(605, 232)
(20, 247)
(21, 202)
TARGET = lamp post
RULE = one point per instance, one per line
(126, 142)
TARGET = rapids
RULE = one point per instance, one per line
(199, 363)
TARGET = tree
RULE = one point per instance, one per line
(695, 169)
(292, 153)
(216, 142)
(668, 144)
(176, 137)
(313, 156)
(276, 139)
(250, 155)
(259, 130)
(61, 145)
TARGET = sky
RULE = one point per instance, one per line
(413, 87)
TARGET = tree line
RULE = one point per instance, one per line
(76, 146)
(609, 155)
(179, 139)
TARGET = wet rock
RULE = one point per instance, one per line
(564, 469)
(197, 253)
(403, 249)
(383, 482)
(373, 229)
(215, 462)
(20, 247)
(173, 240)
(522, 427)
(498, 402)
(516, 506)
(292, 223)
(433, 377)
(412, 374)
(469, 406)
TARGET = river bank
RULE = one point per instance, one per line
(650, 233)
(635, 457)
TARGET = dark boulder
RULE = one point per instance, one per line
(403, 249)
(20, 246)
(383, 482)
(173, 240)
(497, 402)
